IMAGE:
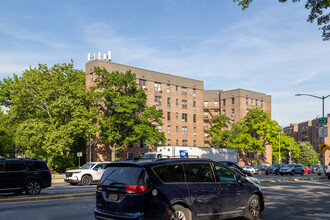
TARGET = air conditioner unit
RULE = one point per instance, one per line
(144, 87)
(157, 103)
(160, 90)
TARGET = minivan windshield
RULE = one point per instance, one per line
(88, 166)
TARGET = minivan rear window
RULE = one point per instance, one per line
(125, 175)
(170, 173)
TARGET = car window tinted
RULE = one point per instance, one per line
(127, 175)
(15, 166)
(198, 173)
(39, 165)
(225, 175)
(2, 166)
(88, 166)
(99, 166)
(170, 173)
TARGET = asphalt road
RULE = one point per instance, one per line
(307, 199)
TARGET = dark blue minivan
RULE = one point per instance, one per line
(176, 189)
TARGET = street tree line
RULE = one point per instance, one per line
(48, 114)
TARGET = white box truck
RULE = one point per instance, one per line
(216, 154)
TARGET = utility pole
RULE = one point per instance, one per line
(279, 147)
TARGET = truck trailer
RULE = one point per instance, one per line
(216, 154)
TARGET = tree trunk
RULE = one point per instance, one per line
(113, 153)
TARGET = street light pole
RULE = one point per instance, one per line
(279, 147)
(323, 139)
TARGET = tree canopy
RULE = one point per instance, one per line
(49, 110)
(308, 156)
(318, 11)
(125, 117)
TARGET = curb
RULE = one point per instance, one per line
(51, 197)
(289, 180)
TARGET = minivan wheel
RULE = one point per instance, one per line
(86, 180)
(253, 208)
(33, 187)
(302, 173)
(177, 212)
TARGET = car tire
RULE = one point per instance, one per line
(86, 180)
(73, 184)
(282, 174)
(276, 172)
(33, 187)
(267, 174)
(302, 173)
(253, 208)
(178, 212)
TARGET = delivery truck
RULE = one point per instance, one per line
(216, 154)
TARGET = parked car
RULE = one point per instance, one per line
(175, 189)
(90, 172)
(292, 169)
(315, 168)
(29, 175)
(249, 168)
(308, 170)
(274, 169)
(327, 170)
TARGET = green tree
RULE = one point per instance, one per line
(7, 145)
(308, 156)
(126, 119)
(253, 133)
(318, 11)
(50, 108)
(286, 143)
(219, 133)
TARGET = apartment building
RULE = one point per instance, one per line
(181, 100)
(234, 104)
(309, 131)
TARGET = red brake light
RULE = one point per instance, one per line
(99, 186)
(136, 189)
(50, 172)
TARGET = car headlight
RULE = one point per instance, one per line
(76, 172)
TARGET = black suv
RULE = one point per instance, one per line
(175, 189)
(274, 169)
(29, 175)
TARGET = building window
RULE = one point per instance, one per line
(184, 130)
(91, 77)
(184, 117)
(158, 87)
(233, 121)
(206, 104)
(224, 102)
(176, 88)
(177, 101)
(194, 105)
(184, 90)
(177, 129)
(168, 102)
(206, 125)
(223, 112)
(247, 101)
(261, 103)
(158, 100)
(184, 104)
(177, 115)
(256, 102)
(130, 155)
(206, 115)
(168, 129)
(233, 101)
(206, 144)
(159, 128)
(168, 116)
(142, 143)
(177, 142)
(194, 132)
(232, 112)
(206, 135)
(168, 142)
(195, 143)
(216, 104)
(142, 84)
(194, 92)
(194, 117)
(168, 88)
(184, 143)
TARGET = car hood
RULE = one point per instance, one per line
(76, 170)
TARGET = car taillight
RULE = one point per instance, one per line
(99, 187)
(136, 189)
(50, 172)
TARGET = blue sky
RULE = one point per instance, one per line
(269, 48)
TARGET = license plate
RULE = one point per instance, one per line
(113, 196)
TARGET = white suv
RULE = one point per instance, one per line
(90, 172)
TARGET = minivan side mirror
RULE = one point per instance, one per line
(239, 180)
